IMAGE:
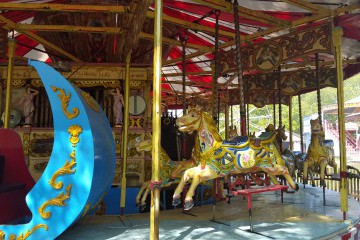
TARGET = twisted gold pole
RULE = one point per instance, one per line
(239, 69)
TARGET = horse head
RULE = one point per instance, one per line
(190, 121)
(232, 132)
(281, 133)
(144, 145)
(316, 127)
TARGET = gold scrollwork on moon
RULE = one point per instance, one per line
(57, 201)
(90, 101)
(66, 169)
(27, 234)
(74, 131)
(2, 235)
(65, 99)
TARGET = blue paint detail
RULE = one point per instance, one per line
(95, 157)
(239, 140)
(238, 160)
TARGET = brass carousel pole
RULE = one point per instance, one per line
(301, 125)
(10, 71)
(156, 123)
(248, 118)
(214, 99)
(227, 120)
(125, 132)
(274, 106)
(317, 72)
(183, 44)
(290, 124)
(337, 33)
(279, 99)
(239, 70)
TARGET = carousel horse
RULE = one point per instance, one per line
(233, 132)
(219, 158)
(281, 159)
(297, 160)
(320, 152)
(170, 171)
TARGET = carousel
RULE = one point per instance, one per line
(111, 113)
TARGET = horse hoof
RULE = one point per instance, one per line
(188, 205)
(297, 187)
(142, 207)
(176, 201)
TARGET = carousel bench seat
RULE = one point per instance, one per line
(250, 191)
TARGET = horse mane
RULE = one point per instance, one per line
(212, 126)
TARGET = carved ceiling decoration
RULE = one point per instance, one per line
(99, 47)
(260, 88)
(268, 55)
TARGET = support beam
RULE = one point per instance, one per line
(51, 7)
(10, 71)
(106, 30)
(175, 42)
(245, 12)
(10, 25)
(337, 37)
(156, 123)
(267, 32)
(191, 25)
(67, 28)
(136, 24)
(306, 5)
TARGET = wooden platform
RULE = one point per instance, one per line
(301, 216)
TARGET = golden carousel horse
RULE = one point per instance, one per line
(320, 152)
(170, 171)
(219, 158)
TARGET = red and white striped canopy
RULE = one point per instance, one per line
(199, 78)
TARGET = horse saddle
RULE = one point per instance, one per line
(329, 143)
(237, 141)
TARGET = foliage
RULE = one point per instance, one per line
(261, 117)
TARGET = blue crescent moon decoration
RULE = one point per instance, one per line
(82, 163)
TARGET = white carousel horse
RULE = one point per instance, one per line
(218, 158)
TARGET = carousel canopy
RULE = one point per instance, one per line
(279, 39)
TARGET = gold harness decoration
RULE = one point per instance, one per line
(27, 234)
(57, 201)
(74, 131)
(66, 169)
(90, 101)
(65, 99)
